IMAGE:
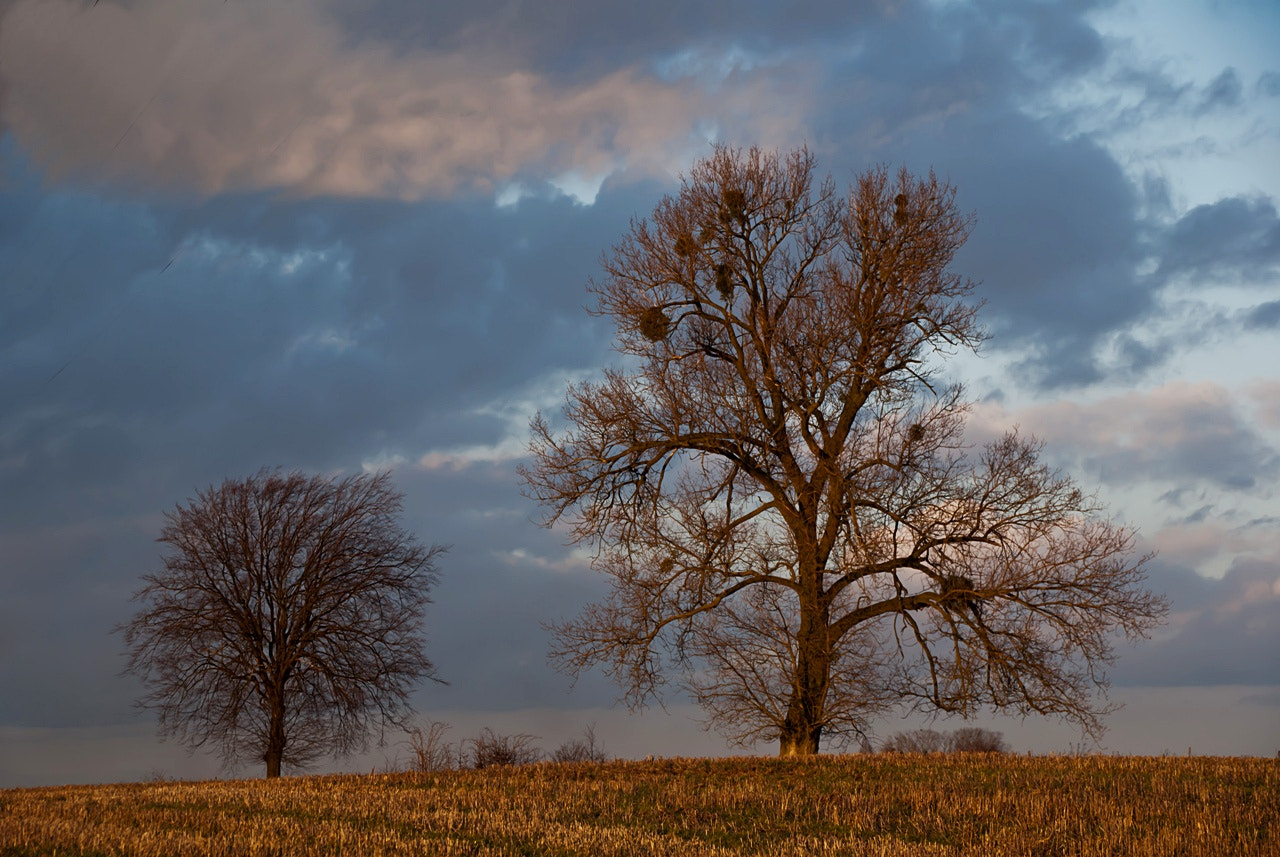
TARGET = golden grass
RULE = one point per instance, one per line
(863, 805)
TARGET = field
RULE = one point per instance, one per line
(863, 805)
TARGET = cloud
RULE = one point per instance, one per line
(1154, 93)
(1224, 92)
(460, 458)
(1263, 316)
(575, 39)
(1266, 398)
(1056, 247)
(1209, 543)
(1236, 238)
(151, 349)
(961, 88)
(213, 97)
(1268, 84)
(306, 335)
(1227, 635)
(1179, 433)
(373, 98)
(244, 234)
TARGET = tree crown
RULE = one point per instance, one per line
(780, 489)
(286, 620)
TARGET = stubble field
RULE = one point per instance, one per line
(857, 805)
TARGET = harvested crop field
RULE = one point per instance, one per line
(863, 805)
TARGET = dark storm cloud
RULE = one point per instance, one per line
(895, 86)
(1057, 237)
(170, 346)
(1060, 234)
(941, 87)
(248, 324)
(1055, 248)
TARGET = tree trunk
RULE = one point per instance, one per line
(802, 730)
(799, 739)
(275, 738)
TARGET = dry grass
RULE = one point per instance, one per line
(864, 805)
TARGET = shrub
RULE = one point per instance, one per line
(966, 740)
(583, 749)
(489, 750)
(974, 740)
(430, 751)
(916, 741)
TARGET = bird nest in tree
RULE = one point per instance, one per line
(734, 206)
(900, 213)
(686, 245)
(957, 590)
(724, 280)
(654, 324)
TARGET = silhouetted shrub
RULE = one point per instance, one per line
(916, 741)
(583, 749)
(430, 751)
(489, 750)
(974, 740)
(966, 740)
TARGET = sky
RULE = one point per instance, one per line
(345, 235)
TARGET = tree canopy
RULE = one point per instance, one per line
(286, 621)
(778, 485)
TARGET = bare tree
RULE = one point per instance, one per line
(431, 752)
(286, 622)
(778, 483)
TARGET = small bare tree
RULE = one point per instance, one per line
(286, 622)
(778, 484)
(431, 752)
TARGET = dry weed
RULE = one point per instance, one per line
(864, 805)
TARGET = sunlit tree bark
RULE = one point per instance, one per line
(779, 488)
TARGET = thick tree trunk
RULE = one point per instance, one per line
(801, 732)
(799, 740)
(275, 739)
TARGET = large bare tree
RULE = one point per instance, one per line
(778, 483)
(286, 622)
